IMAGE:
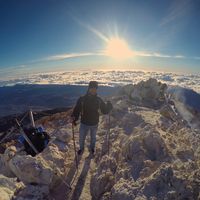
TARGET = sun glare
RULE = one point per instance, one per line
(118, 48)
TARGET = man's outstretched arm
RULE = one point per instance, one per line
(105, 107)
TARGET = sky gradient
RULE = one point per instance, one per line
(51, 35)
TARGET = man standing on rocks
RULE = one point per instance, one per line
(88, 106)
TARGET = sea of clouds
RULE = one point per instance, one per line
(107, 78)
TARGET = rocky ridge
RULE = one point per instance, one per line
(154, 153)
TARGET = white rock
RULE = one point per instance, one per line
(9, 153)
(56, 160)
(31, 170)
(8, 186)
(63, 135)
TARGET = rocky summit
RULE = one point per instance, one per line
(148, 148)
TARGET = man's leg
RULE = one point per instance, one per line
(82, 135)
(93, 131)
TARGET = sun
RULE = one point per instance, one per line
(118, 48)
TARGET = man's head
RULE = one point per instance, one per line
(92, 88)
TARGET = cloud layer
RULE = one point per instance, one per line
(109, 78)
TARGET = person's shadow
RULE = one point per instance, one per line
(72, 173)
(81, 180)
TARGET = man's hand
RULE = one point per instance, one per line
(74, 123)
(72, 120)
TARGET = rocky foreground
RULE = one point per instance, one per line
(154, 153)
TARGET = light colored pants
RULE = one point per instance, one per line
(83, 131)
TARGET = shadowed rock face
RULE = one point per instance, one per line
(148, 93)
(103, 179)
(164, 183)
(146, 145)
(127, 120)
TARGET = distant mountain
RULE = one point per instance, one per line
(187, 103)
(20, 98)
(187, 96)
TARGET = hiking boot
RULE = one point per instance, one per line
(80, 151)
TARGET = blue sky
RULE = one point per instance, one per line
(51, 35)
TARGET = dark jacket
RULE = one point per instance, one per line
(88, 106)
